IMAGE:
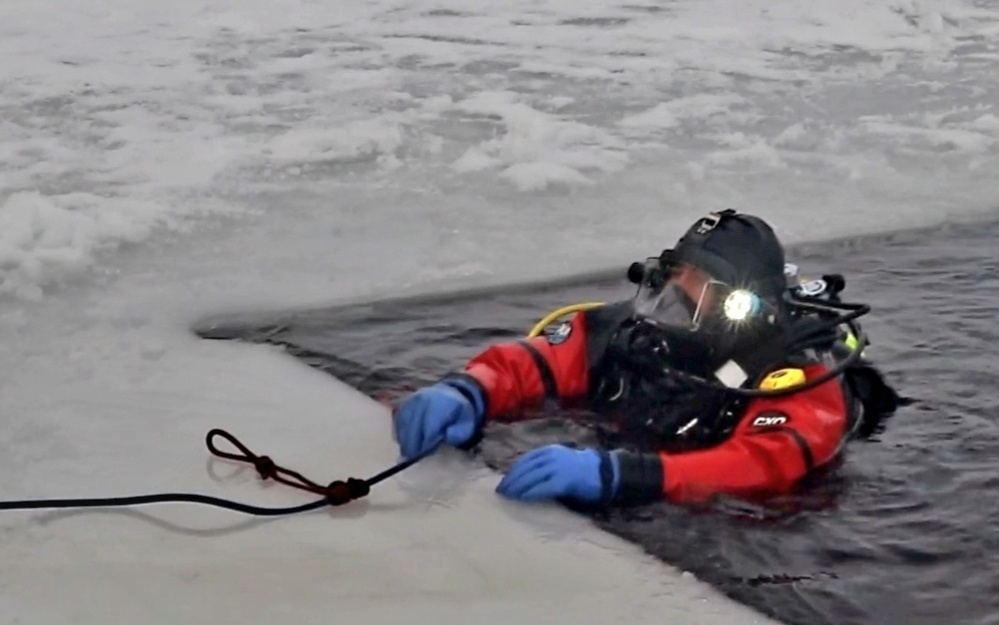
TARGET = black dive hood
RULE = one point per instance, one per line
(743, 251)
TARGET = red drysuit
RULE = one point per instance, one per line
(776, 442)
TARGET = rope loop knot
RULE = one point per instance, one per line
(336, 493)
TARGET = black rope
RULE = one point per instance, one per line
(138, 500)
(335, 493)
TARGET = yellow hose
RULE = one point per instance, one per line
(540, 326)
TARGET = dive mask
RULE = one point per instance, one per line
(680, 296)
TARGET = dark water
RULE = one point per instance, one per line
(905, 531)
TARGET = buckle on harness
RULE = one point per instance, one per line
(711, 222)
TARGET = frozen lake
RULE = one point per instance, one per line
(159, 163)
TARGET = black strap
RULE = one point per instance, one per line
(544, 369)
(806, 451)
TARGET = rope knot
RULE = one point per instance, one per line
(265, 467)
(335, 494)
(340, 492)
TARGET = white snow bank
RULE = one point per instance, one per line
(671, 114)
(50, 239)
(163, 111)
(350, 141)
(952, 131)
(537, 149)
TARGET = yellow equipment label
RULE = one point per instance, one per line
(783, 378)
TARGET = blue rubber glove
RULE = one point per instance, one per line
(450, 411)
(557, 471)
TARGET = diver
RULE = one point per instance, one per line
(724, 375)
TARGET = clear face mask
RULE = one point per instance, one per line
(687, 298)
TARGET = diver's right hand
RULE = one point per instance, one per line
(450, 411)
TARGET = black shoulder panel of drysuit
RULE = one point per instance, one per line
(601, 325)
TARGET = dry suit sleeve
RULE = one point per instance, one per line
(521, 374)
(776, 443)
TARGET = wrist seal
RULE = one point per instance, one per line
(641, 478)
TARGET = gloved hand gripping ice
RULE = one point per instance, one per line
(557, 472)
(451, 411)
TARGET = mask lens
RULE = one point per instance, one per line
(688, 298)
(668, 306)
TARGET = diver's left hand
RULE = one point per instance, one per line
(557, 471)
